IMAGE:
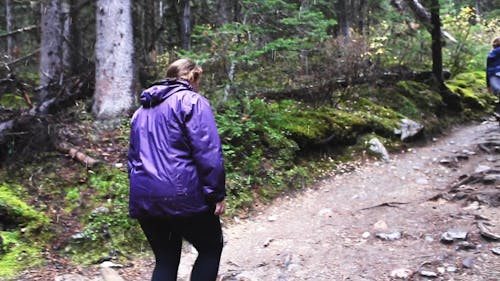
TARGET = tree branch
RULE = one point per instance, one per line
(24, 29)
(425, 17)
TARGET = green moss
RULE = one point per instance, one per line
(18, 254)
(422, 96)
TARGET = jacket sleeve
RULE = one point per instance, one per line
(201, 130)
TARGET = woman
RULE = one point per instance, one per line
(176, 171)
(493, 68)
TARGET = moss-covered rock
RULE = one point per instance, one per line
(16, 213)
(471, 87)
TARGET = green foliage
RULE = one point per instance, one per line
(473, 35)
(256, 149)
(265, 52)
(399, 40)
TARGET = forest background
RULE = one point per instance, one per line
(298, 88)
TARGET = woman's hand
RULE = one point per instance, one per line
(220, 207)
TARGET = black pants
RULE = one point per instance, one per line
(165, 237)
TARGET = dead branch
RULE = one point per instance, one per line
(22, 59)
(75, 153)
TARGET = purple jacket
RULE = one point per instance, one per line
(175, 162)
(492, 64)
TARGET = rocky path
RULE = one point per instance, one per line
(375, 221)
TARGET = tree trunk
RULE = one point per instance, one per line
(344, 23)
(67, 50)
(8, 21)
(452, 100)
(236, 9)
(478, 7)
(222, 15)
(114, 73)
(50, 48)
(437, 53)
(185, 25)
(363, 17)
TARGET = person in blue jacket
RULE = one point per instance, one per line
(493, 71)
(176, 173)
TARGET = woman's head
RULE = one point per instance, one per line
(185, 69)
(496, 42)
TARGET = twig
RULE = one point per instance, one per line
(386, 204)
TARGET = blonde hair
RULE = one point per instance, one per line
(184, 69)
(496, 42)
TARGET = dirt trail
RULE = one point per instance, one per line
(329, 231)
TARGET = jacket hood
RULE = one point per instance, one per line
(158, 92)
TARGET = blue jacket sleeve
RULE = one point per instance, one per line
(201, 130)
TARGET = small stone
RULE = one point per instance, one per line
(472, 206)
(389, 236)
(110, 264)
(380, 225)
(429, 238)
(427, 273)
(365, 235)
(401, 273)
(482, 168)
(468, 262)
(77, 236)
(327, 212)
(272, 218)
(464, 245)
(496, 251)
(100, 210)
(453, 234)
(451, 269)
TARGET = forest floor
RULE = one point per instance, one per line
(370, 220)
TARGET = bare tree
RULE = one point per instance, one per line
(114, 73)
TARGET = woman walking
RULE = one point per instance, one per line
(176, 171)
